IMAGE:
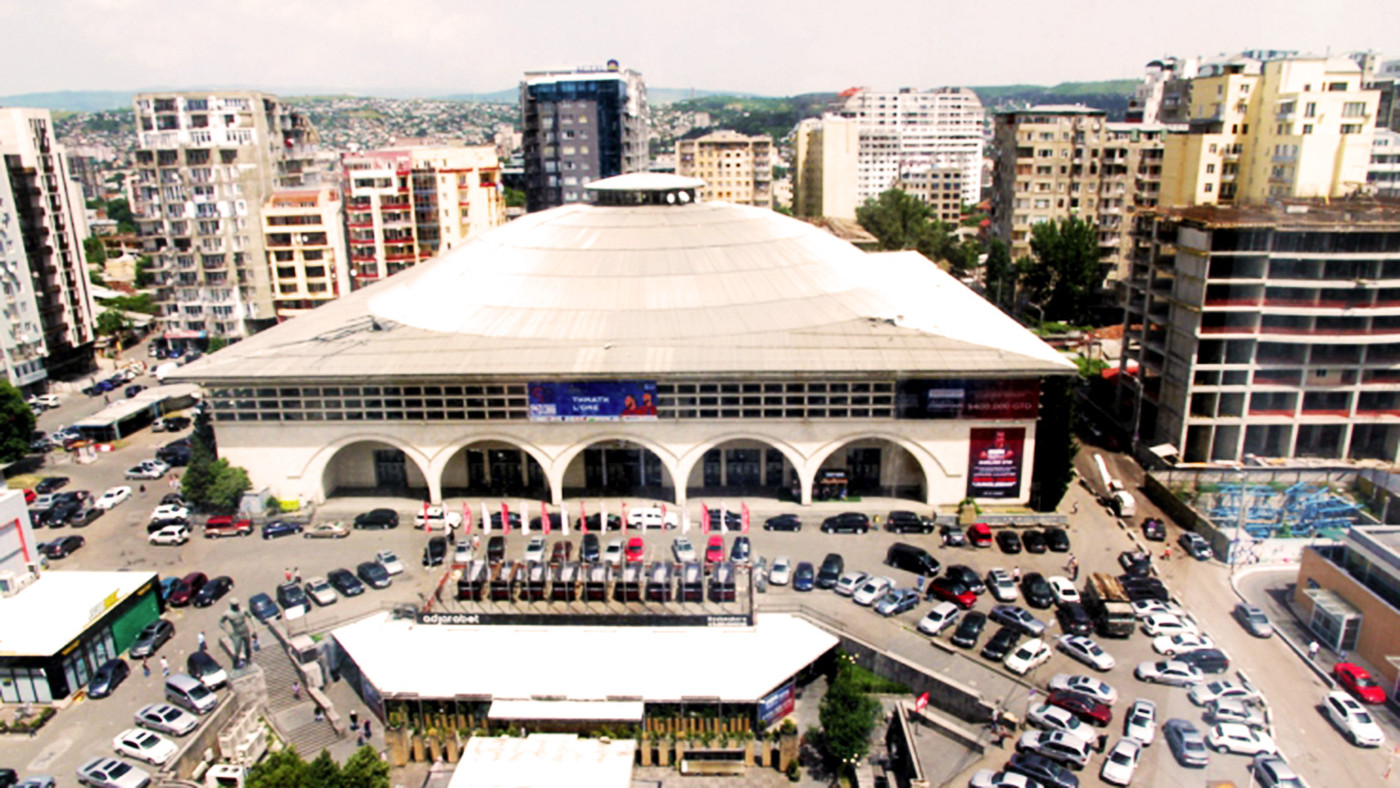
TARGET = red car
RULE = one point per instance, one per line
(634, 550)
(1357, 680)
(980, 535)
(29, 495)
(225, 525)
(1082, 706)
(714, 550)
(950, 590)
(186, 587)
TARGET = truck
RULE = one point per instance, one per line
(1111, 492)
(1109, 605)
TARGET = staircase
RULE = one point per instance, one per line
(294, 719)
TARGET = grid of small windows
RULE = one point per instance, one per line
(508, 401)
(777, 400)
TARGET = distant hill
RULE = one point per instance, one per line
(1111, 96)
(71, 100)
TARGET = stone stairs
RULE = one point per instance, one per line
(294, 719)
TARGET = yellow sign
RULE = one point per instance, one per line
(109, 601)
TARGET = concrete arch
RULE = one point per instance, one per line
(927, 462)
(555, 472)
(438, 464)
(693, 455)
(315, 468)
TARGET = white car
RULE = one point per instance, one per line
(1239, 739)
(986, 778)
(1058, 746)
(1084, 685)
(1203, 694)
(170, 534)
(781, 573)
(320, 591)
(651, 517)
(1001, 585)
(684, 552)
(47, 401)
(1169, 672)
(942, 616)
(112, 497)
(1121, 762)
(1063, 590)
(1055, 718)
(435, 517)
(1142, 608)
(165, 718)
(1272, 771)
(170, 511)
(848, 582)
(1140, 722)
(461, 552)
(1355, 722)
(871, 590)
(1027, 656)
(144, 746)
(1237, 711)
(112, 773)
(1155, 625)
(148, 469)
(613, 552)
(1086, 651)
(534, 549)
(390, 562)
(1171, 645)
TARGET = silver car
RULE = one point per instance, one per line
(164, 718)
(112, 773)
(1187, 744)
(1253, 620)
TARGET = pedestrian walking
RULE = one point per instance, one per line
(1016, 574)
(164, 667)
(143, 489)
(1070, 562)
(296, 575)
(354, 719)
(256, 646)
(146, 666)
(296, 690)
(203, 646)
(920, 586)
(319, 714)
(368, 734)
(1312, 650)
(359, 739)
(1167, 553)
(1074, 508)
(287, 574)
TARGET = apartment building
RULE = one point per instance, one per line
(304, 235)
(824, 174)
(940, 188)
(1271, 330)
(1058, 161)
(1383, 173)
(46, 311)
(1295, 126)
(580, 125)
(404, 206)
(206, 163)
(735, 167)
(1164, 91)
(907, 129)
(1386, 82)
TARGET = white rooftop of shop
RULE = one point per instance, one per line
(582, 663)
(48, 613)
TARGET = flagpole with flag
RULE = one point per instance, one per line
(545, 524)
(724, 518)
(427, 527)
(744, 516)
(582, 518)
(602, 517)
(505, 518)
(685, 521)
(624, 518)
(485, 519)
(704, 519)
(466, 518)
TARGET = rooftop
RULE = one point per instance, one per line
(46, 616)
(1053, 109)
(1356, 213)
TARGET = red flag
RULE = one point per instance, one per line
(426, 527)
(704, 519)
(505, 517)
(544, 517)
(624, 518)
(582, 518)
(466, 518)
(744, 515)
(921, 702)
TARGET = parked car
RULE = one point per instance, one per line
(344, 581)
(896, 601)
(1057, 746)
(496, 549)
(1057, 539)
(1352, 719)
(1154, 530)
(832, 567)
(938, 618)
(62, 547)
(1063, 590)
(1018, 617)
(1120, 763)
(435, 551)
(651, 517)
(373, 575)
(292, 599)
(634, 551)
(1028, 656)
(164, 718)
(1135, 562)
(85, 517)
(212, 591)
(953, 535)
(186, 587)
(980, 535)
(1271, 771)
(50, 484)
(1087, 651)
(1195, 546)
(906, 522)
(144, 746)
(1054, 718)
(263, 608)
(112, 773)
(1186, 743)
(278, 528)
(1156, 625)
(319, 590)
(612, 555)
(108, 676)
(950, 590)
(431, 517)
(1001, 585)
(1001, 643)
(1087, 709)
(113, 497)
(847, 522)
(681, 550)
(1171, 645)
(1208, 692)
(1036, 590)
(1034, 541)
(969, 629)
(1084, 685)
(326, 531)
(1169, 672)
(871, 590)
(1253, 619)
(781, 573)
(783, 522)
(1240, 739)
(967, 576)
(1141, 721)
(148, 469)
(1044, 771)
(1236, 711)
(377, 519)
(741, 550)
(203, 666)
(225, 525)
(534, 549)
(804, 577)
(151, 638)
(170, 535)
(1074, 619)
(1206, 660)
(589, 548)
(714, 549)
(1357, 680)
(1008, 541)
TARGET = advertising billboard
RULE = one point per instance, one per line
(594, 400)
(994, 462)
(963, 398)
(777, 704)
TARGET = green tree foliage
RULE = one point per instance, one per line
(286, 769)
(515, 198)
(364, 769)
(227, 486)
(217, 344)
(999, 275)
(119, 211)
(323, 772)
(209, 482)
(847, 716)
(1067, 268)
(281, 769)
(112, 323)
(141, 302)
(963, 257)
(16, 423)
(144, 277)
(95, 252)
(1055, 445)
(899, 221)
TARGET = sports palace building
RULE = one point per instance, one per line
(643, 345)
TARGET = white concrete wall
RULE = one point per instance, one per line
(290, 459)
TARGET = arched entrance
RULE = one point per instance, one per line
(618, 468)
(743, 467)
(371, 467)
(491, 468)
(873, 466)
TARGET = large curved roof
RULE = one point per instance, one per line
(585, 290)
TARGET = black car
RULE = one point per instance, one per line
(345, 582)
(152, 637)
(967, 576)
(906, 522)
(203, 666)
(48, 484)
(496, 549)
(1037, 591)
(1003, 640)
(262, 606)
(213, 591)
(177, 423)
(174, 499)
(514, 520)
(62, 513)
(435, 551)
(783, 522)
(1074, 619)
(588, 549)
(1138, 588)
(832, 567)
(1135, 562)
(86, 517)
(1154, 529)
(291, 596)
(741, 551)
(803, 577)
(1008, 541)
(731, 519)
(377, 518)
(374, 574)
(593, 522)
(1206, 660)
(176, 457)
(1042, 770)
(953, 535)
(109, 675)
(1034, 541)
(969, 629)
(62, 547)
(846, 522)
(1057, 539)
(134, 389)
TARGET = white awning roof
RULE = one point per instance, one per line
(543, 759)
(623, 710)
(1164, 450)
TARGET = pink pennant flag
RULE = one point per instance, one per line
(466, 518)
(582, 518)
(485, 519)
(704, 519)
(744, 515)
(544, 517)
(505, 518)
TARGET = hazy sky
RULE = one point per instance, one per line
(774, 47)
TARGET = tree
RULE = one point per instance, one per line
(226, 486)
(963, 257)
(16, 423)
(515, 198)
(323, 772)
(217, 344)
(119, 211)
(364, 769)
(112, 323)
(281, 769)
(144, 277)
(1067, 252)
(899, 221)
(1055, 445)
(847, 715)
(999, 275)
(94, 250)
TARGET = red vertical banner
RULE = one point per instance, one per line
(744, 515)
(704, 519)
(505, 517)
(544, 517)
(663, 515)
(582, 518)
(921, 702)
(426, 526)
(466, 518)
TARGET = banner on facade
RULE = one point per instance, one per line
(994, 462)
(603, 400)
(959, 398)
(777, 704)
